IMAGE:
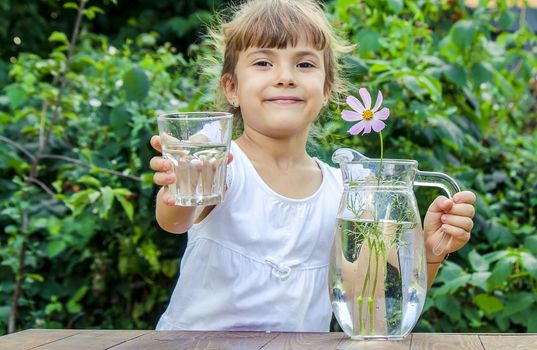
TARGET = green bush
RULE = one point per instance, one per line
(77, 199)
(79, 239)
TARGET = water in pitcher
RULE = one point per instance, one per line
(200, 170)
(371, 263)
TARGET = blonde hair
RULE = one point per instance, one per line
(277, 24)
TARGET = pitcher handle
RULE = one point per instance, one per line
(440, 180)
(446, 183)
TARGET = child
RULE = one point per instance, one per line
(259, 260)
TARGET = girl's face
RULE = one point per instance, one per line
(280, 91)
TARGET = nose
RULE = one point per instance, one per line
(285, 76)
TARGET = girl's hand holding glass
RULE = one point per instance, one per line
(196, 145)
(166, 176)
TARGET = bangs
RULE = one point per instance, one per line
(276, 25)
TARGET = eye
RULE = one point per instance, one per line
(306, 65)
(262, 64)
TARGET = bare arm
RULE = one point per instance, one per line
(433, 265)
(172, 218)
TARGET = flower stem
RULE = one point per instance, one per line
(371, 310)
(381, 157)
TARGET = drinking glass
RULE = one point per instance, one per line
(197, 143)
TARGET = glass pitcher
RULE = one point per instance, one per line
(377, 277)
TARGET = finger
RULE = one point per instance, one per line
(229, 158)
(464, 197)
(463, 222)
(467, 210)
(163, 179)
(440, 205)
(155, 143)
(457, 233)
(167, 197)
(160, 164)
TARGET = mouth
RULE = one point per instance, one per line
(284, 100)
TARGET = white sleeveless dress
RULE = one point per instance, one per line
(258, 261)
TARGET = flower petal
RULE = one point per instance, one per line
(367, 128)
(383, 114)
(355, 104)
(366, 97)
(378, 102)
(357, 128)
(351, 116)
(377, 125)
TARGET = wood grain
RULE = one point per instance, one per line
(46, 339)
(509, 342)
(313, 341)
(92, 339)
(429, 341)
(171, 340)
(31, 338)
(349, 344)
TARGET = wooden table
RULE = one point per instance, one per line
(45, 339)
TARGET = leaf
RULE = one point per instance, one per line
(530, 263)
(532, 321)
(73, 305)
(502, 322)
(463, 33)
(480, 74)
(89, 180)
(107, 198)
(354, 66)
(530, 243)
(55, 247)
(127, 206)
(71, 5)
(136, 84)
(477, 261)
(489, 304)
(449, 305)
(411, 83)
(500, 273)
(368, 41)
(147, 180)
(450, 271)
(506, 19)
(92, 11)
(432, 85)
(518, 302)
(396, 5)
(119, 121)
(58, 37)
(122, 192)
(479, 279)
(455, 74)
(17, 95)
(54, 226)
(450, 287)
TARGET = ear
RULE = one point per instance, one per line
(230, 88)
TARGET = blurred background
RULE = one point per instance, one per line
(80, 86)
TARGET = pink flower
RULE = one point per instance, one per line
(368, 118)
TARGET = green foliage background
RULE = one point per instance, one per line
(78, 237)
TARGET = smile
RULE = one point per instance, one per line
(284, 100)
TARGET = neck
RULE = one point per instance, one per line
(282, 152)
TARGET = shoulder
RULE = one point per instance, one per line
(329, 172)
